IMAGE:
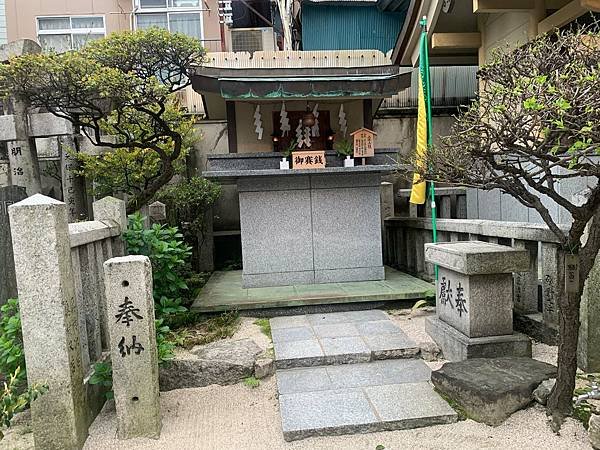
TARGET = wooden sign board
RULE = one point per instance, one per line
(308, 160)
(364, 143)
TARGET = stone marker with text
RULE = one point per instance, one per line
(130, 306)
(474, 300)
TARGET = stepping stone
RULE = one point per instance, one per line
(490, 390)
(338, 338)
(381, 390)
(377, 373)
(360, 410)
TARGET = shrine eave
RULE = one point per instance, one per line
(301, 83)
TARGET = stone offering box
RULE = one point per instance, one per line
(474, 299)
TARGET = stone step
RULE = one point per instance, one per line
(338, 338)
(358, 398)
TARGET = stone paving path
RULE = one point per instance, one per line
(351, 372)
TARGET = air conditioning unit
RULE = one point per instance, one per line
(252, 39)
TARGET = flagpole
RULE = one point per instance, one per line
(429, 128)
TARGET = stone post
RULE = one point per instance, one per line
(526, 283)
(42, 254)
(22, 152)
(588, 348)
(114, 210)
(128, 282)
(474, 300)
(594, 431)
(8, 283)
(73, 186)
(553, 278)
(157, 211)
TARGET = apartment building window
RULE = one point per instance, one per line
(177, 16)
(61, 34)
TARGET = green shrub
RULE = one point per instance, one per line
(103, 376)
(13, 400)
(188, 200)
(188, 203)
(12, 355)
(169, 256)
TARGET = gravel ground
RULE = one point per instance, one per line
(238, 417)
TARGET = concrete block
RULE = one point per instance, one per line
(18, 48)
(350, 275)
(476, 257)
(526, 283)
(303, 380)
(345, 350)
(112, 209)
(157, 211)
(378, 373)
(128, 282)
(278, 323)
(336, 330)
(250, 280)
(276, 243)
(298, 354)
(377, 327)
(457, 347)
(292, 334)
(24, 165)
(8, 131)
(341, 410)
(49, 318)
(391, 345)
(47, 124)
(553, 278)
(8, 282)
(346, 228)
(476, 305)
(588, 355)
(414, 403)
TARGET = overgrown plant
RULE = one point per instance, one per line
(102, 376)
(188, 203)
(12, 355)
(119, 86)
(534, 127)
(13, 400)
(168, 254)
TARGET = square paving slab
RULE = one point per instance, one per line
(338, 338)
(358, 398)
(224, 292)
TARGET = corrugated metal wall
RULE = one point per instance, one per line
(450, 85)
(328, 27)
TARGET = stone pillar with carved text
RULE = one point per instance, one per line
(130, 306)
(474, 300)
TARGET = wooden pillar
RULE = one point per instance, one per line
(231, 127)
(368, 113)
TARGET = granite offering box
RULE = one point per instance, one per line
(474, 299)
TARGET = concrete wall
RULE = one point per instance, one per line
(21, 15)
(247, 138)
(507, 30)
(400, 132)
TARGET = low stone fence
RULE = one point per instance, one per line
(60, 285)
(451, 203)
(404, 248)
